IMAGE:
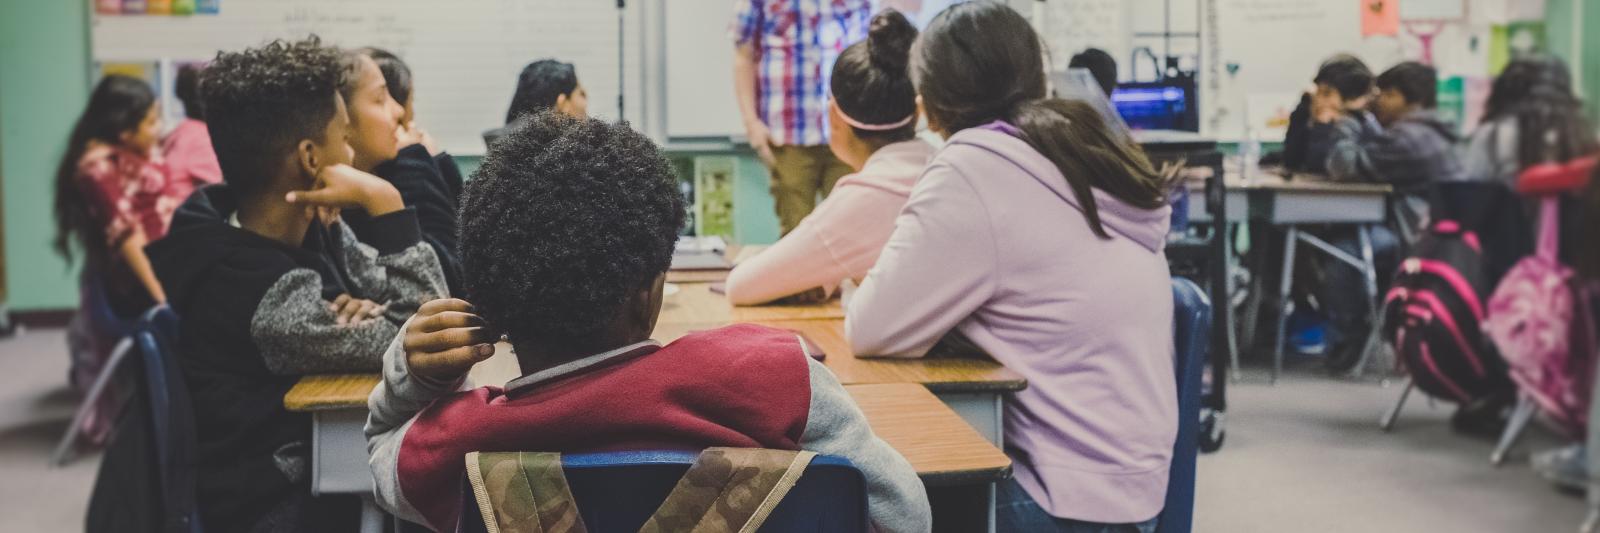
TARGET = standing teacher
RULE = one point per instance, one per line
(784, 50)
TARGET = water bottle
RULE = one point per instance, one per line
(1250, 153)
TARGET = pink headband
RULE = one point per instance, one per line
(870, 127)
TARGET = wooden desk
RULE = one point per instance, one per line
(696, 304)
(975, 388)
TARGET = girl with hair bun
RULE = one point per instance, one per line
(1037, 235)
(873, 121)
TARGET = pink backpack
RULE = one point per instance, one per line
(1537, 319)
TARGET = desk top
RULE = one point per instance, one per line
(1301, 182)
(942, 448)
(696, 304)
(949, 374)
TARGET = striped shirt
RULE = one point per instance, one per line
(798, 41)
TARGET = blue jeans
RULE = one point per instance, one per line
(1015, 510)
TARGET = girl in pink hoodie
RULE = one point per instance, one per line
(873, 117)
(1036, 234)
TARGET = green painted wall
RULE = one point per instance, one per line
(44, 81)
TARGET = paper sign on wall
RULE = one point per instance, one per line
(1379, 17)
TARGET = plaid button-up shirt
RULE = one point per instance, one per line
(798, 42)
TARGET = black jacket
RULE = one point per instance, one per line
(254, 318)
(426, 186)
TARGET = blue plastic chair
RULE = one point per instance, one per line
(1191, 334)
(617, 492)
(171, 418)
(97, 310)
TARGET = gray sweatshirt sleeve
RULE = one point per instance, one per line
(297, 333)
(896, 500)
(392, 407)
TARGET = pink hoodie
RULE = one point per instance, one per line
(842, 237)
(992, 243)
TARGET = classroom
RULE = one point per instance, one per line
(1088, 266)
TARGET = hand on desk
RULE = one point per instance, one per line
(445, 339)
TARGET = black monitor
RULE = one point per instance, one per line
(1163, 105)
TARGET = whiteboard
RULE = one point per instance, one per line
(465, 54)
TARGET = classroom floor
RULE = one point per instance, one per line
(1303, 456)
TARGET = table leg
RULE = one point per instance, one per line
(1369, 269)
(1285, 303)
(1229, 314)
(371, 516)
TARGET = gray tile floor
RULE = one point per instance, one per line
(1303, 456)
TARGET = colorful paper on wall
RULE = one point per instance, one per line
(1452, 102)
(108, 7)
(134, 7)
(183, 7)
(1379, 17)
(1514, 40)
(713, 188)
(207, 7)
(158, 7)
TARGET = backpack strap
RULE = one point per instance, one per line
(523, 492)
(1549, 227)
(729, 489)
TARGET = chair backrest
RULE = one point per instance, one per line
(1191, 331)
(617, 492)
(171, 418)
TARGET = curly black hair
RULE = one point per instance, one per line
(563, 222)
(262, 101)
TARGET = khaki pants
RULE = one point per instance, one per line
(801, 175)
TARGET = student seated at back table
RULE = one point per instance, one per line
(401, 153)
(397, 76)
(1036, 235)
(567, 233)
(874, 120)
(544, 84)
(1343, 79)
(1403, 141)
(270, 287)
(190, 160)
(1100, 65)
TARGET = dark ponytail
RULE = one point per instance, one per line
(117, 105)
(870, 83)
(980, 62)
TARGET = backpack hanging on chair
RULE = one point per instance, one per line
(1432, 315)
(1535, 317)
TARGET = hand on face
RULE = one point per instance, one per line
(343, 187)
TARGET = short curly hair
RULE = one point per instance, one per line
(262, 101)
(566, 219)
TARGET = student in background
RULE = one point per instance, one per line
(1036, 235)
(400, 153)
(270, 286)
(1342, 81)
(873, 116)
(190, 161)
(544, 84)
(568, 230)
(112, 196)
(1533, 94)
(782, 50)
(1100, 65)
(397, 76)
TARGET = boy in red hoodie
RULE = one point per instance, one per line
(567, 231)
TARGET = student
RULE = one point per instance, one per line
(1346, 83)
(1100, 65)
(190, 161)
(1533, 93)
(544, 84)
(1403, 142)
(873, 116)
(400, 153)
(567, 231)
(397, 76)
(112, 196)
(269, 290)
(1036, 235)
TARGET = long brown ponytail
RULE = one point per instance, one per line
(979, 62)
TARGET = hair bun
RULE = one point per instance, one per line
(889, 38)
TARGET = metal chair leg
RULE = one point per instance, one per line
(1514, 428)
(1387, 423)
(64, 450)
(1591, 523)
(1285, 303)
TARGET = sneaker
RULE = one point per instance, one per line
(1567, 467)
